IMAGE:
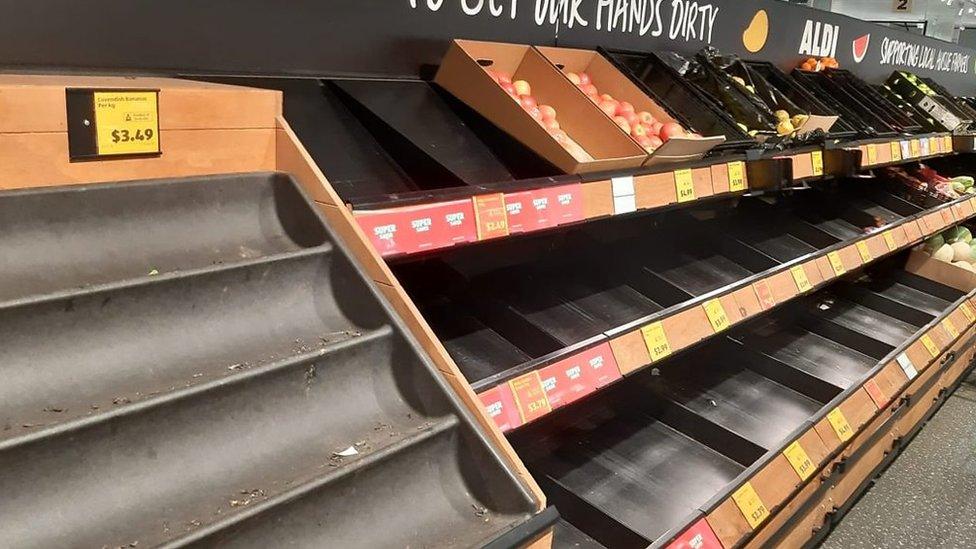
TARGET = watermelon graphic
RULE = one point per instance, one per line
(859, 47)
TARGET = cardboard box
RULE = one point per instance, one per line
(609, 80)
(464, 73)
(925, 265)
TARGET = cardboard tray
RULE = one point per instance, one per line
(464, 73)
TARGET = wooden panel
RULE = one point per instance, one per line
(826, 269)
(746, 302)
(729, 525)
(597, 199)
(782, 286)
(814, 446)
(630, 351)
(802, 165)
(919, 356)
(775, 482)
(800, 528)
(655, 190)
(702, 178)
(891, 379)
(720, 178)
(900, 236)
(813, 272)
(36, 103)
(342, 222)
(687, 327)
(858, 408)
(41, 159)
(850, 256)
(827, 435)
(876, 245)
(857, 470)
(912, 230)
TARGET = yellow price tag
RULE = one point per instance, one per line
(933, 145)
(737, 176)
(747, 500)
(872, 154)
(916, 148)
(800, 277)
(950, 327)
(684, 185)
(930, 345)
(656, 341)
(948, 143)
(126, 122)
(890, 241)
(716, 315)
(836, 263)
(816, 159)
(863, 251)
(966, 310)
(840, 425)
(799, 459)
(895, 151)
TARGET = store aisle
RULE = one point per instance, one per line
(927, 498)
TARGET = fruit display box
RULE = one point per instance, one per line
(922, 118)
(521, 92)
(848, 103)
(966, 112)
(871, 99)
(649, 123)
(920, 95)
(662, 83)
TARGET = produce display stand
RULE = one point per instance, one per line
(206, 346)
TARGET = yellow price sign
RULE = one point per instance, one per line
(656, 341)
(747, 500)
(889, 239)
(916, 148)
(872, 154)
(841, 427)
(816, 160)
(966, 310)
(895, 151)
(836, 263)
(930, 345)
(800, 277)
(737, 176)
(126, 122)
(716, 315)
(950, 327)
(947, 140)
(799, 459)
(684, 185)
(933, 145)
(863, 251)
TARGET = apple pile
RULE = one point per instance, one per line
(642, 126)
(521, 92)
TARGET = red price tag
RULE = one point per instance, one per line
(500, 406)
(530, 397)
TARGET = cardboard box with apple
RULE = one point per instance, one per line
(648, 123)
(524, 94)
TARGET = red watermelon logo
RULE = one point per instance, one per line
(859, 47)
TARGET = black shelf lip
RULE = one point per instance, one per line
(434, 196)
(536, 364)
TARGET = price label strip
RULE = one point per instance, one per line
(841, 427)
(895, 151)
(716, 315)
(906, 149)
(753, 509)
(836, 263)
(530, 396)
(950, 327)
(816, 160)
(684, 185)
(907, 366)
(656, 341)
(916, 148)
(933, 146)
(863, 251)
(800, 277)
(872, 154)
(737, 176)
(799, 460)
(930, 345)
(889, 239)
(126, 122)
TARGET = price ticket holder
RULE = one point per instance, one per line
(111, 123)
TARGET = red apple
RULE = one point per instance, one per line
(671, 129)
(522, 87)
(574, 78)
(624, 107)
(630, 116)
(534, 112)
(656, 128)
(509, 89)
(590, 90)
(644, 140)
(646, 118)
(584, 79)
(528, 102)
(638, 130)
(655, 141)
(609, 107)
(550, 125)
(548, 113)
(607, 97)
(502, 77)
(622, 122)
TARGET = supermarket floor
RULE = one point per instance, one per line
(927, 497)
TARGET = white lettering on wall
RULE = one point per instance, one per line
(917, 56)
(819, 39)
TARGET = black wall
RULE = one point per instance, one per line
(394, 37)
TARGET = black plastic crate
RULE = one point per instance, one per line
(865, 120)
